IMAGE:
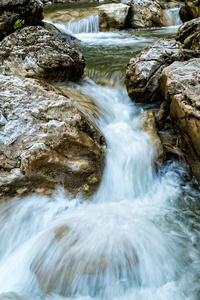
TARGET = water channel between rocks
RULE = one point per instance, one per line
(138, 237)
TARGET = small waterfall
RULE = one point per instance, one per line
(173, 16)
(86, 25)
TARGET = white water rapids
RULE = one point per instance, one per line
(136, 239)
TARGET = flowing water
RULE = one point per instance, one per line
(138, 237)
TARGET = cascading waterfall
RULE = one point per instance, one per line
(137, 238)
(173, 16)
(86, 25)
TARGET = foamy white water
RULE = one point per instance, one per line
(137, 238)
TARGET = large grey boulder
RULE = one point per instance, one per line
(45, 141)
(147, 13)
(180, 85)
(144, 70)
(35, 52)
(113, 16)
(17, 13)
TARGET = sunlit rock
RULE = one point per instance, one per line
(17, 13)
(180, 84)
(144, 70)
(147, 13)
(46, 141)
(35, 52)
(113, 16)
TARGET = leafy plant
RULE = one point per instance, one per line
(19, 23)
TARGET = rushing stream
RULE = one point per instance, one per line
(138, 238)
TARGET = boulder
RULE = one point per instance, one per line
(113, 16)
(45, 141)
(34, 52)
(17, 13)
(189, 34)
(147, 13)
(144, 70)
(180, 85)
(193, 7)
(184, 14)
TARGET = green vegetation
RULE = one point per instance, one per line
(19, 23)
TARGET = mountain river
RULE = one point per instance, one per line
(138, 238)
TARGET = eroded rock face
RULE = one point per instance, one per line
(144, 70)
(35, 52)
(30, 12)
(147, 13)
(45, 141)
(180, 84)
(113, 16)
(189, 34)
(193, 6)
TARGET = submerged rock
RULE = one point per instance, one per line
(16, 13)
(180, 84)
(147, 13)
(113, 16)
(144, 70)
(45, 141)
(35, 52)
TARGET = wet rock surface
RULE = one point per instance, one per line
(35, 52)
(180, 84)
(113, 16)
(16, 13)
(144, 70)
(45, 141)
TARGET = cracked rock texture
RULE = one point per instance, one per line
(180, 84)
(35, 52)
(45, 141)
(144, 70)
(30, 11)
(189, 34)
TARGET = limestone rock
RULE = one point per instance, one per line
(180, 84)
(45, 141)
(144, 70)
(30, 12)
(189, 34)
(193, 7)
(35, 52)
(147, 13)
(184, 14)
(113, 16)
